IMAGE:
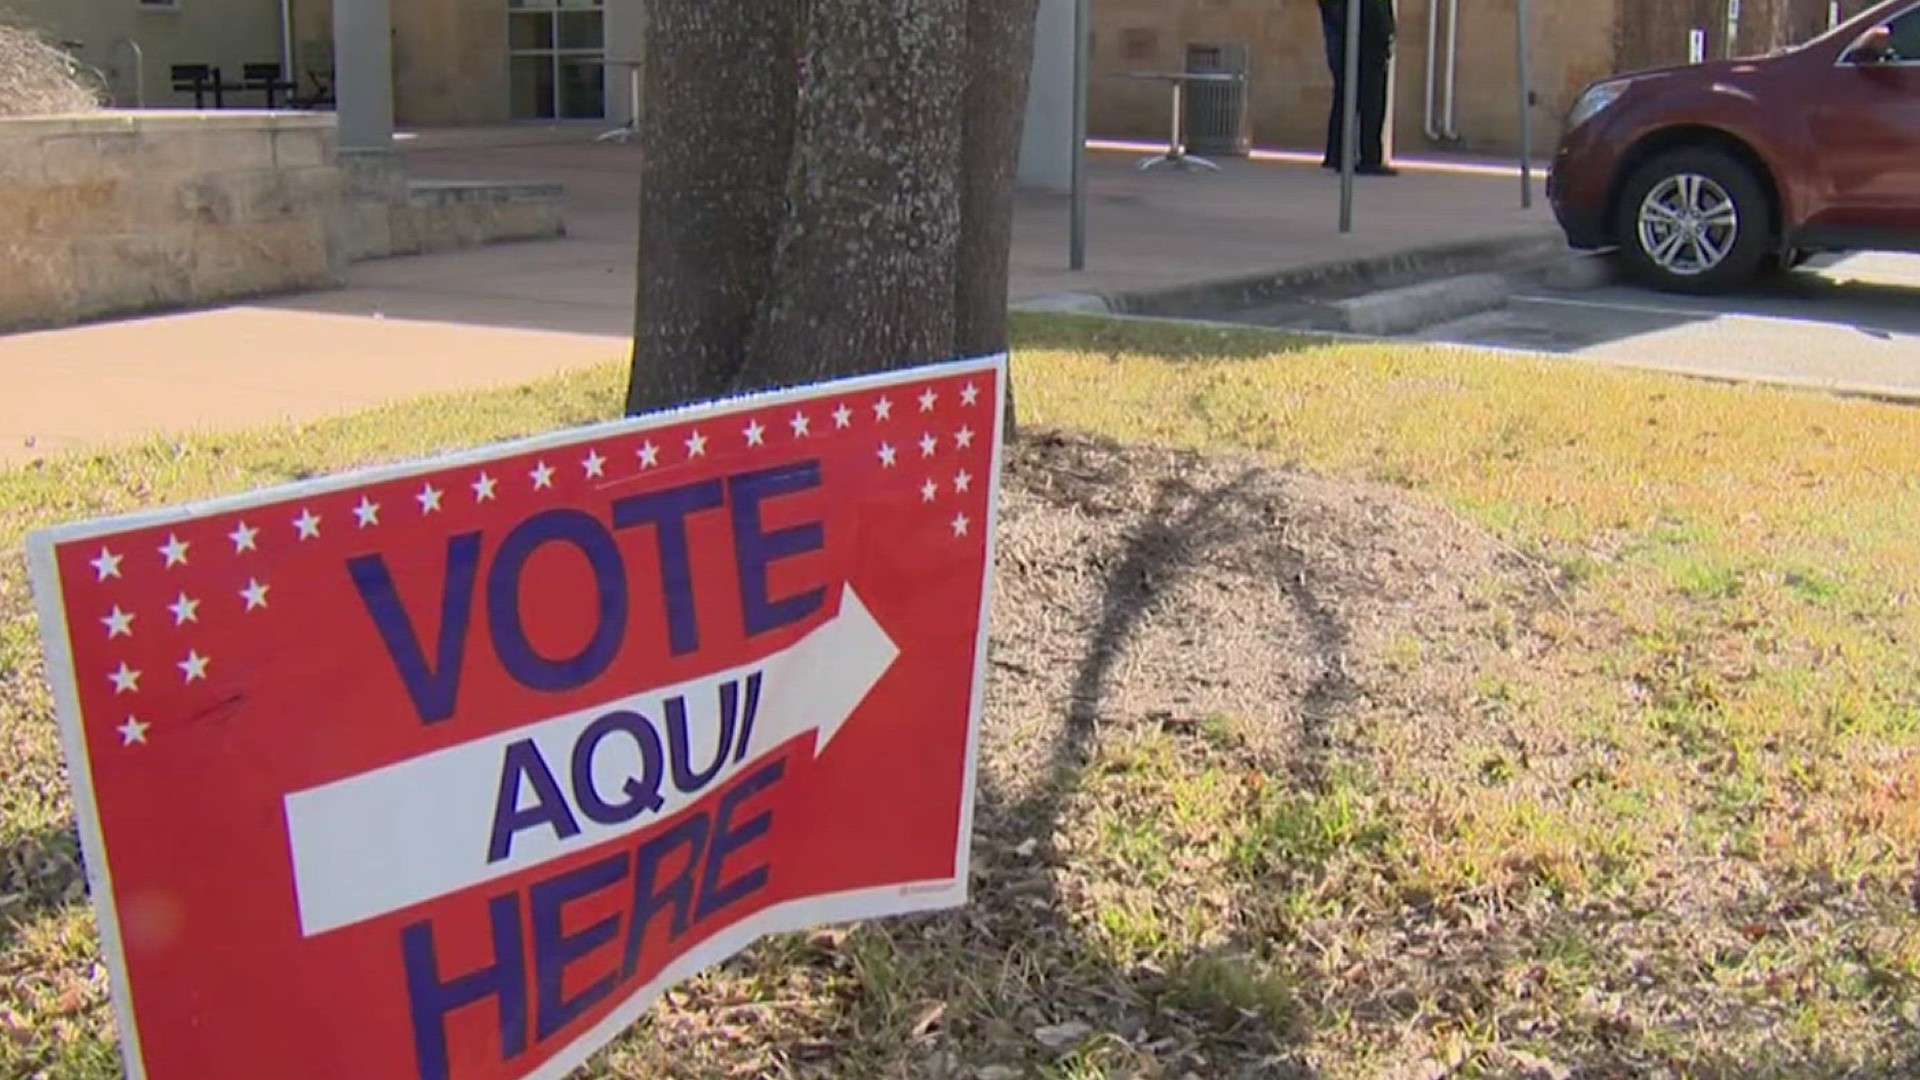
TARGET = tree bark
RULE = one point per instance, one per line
(999, 66)
(854, 220)
(717, 128)
(999, 62)
(864, 276)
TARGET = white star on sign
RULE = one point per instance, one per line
(483, 488)
(594, 464)
(194, 666)
(175, 549)
(242, 537)
(927, 444)
(843, 416)
(308, 523)
(185, 610)
(927, 400)
(963, 482)
(368, 512)
(887, 453)
(649, 455)
(969, 394)
(542, 476)
(125, 680)
(696, 445)
(928, 491)
(882, 409)
(255, 594)
(963, 438)
(133, 731)
(429, 498)
(107, 564)
(960, 524)
(756, 435)
(119, 624)
(802, 427)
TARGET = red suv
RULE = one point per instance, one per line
(1704, 175)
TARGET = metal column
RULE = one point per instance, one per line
(1526, 105)
(1082, 30)
(1349, 113)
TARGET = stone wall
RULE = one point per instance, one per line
(116, 213)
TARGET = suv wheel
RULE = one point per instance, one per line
(1693, 221)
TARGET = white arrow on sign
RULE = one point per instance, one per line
(408, 832)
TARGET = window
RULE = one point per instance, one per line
(557, 52)
(1906, 37)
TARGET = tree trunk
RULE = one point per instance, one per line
(854, 220)
(864, 276)
(717, 125)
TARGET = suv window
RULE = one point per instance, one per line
(1906, 36)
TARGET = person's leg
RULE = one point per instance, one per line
(1336, 52)
(1373, 113)
(1336, 111)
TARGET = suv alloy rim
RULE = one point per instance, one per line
(1688, 224)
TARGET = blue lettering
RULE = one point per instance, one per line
(554, 949)
(680, 739)
(728, 839)
(643, 791)
(430, 1000)
(754, 550)
(667, 511)
(434, 689)
(752, 712)
(677, 873)
(649, 899)
(523, 762)
(528, 667)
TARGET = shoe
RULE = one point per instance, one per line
(1376, 170)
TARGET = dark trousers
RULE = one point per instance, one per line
(1372, 109)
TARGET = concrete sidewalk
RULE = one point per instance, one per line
(511, 313)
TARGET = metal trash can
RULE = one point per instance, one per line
(1217, 122)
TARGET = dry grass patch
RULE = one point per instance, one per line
(1354, 712)
(37, 79)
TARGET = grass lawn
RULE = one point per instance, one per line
(1649, 806)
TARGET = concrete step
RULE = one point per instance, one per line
(1413, 307)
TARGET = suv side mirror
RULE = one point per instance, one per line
(1874, 47)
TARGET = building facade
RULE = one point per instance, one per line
(499, 61)
(473, 62)
(455, 62)
(1456, 68)
(134, 44)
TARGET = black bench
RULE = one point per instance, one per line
(202, 79)
(266, 78)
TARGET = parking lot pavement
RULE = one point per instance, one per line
(1851, 322)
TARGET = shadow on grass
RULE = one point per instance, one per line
(1037, 993)
(40, 875)
(1161, 340)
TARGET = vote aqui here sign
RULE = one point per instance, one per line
(446, 770)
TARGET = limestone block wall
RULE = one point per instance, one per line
(115, 213)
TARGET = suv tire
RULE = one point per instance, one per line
(1693, 220)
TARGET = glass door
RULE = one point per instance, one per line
(557, 51)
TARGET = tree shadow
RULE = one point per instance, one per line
(1225, 1021)
(40, 874)
(1161, 340)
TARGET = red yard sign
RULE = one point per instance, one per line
(447, 770)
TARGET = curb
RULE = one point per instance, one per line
(1404, 310)
(1368, 274)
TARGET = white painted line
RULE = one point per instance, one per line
(1644, 309)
